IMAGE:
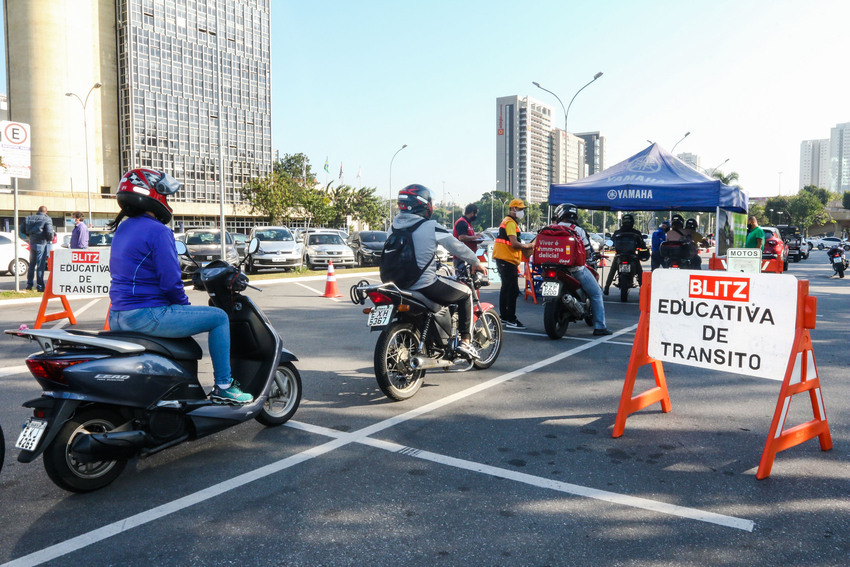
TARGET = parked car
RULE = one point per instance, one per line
(204, 246)
(774, 246)
(98, 238)
(367, 246)
(797, 250)
(278, 249)
(830, 241)
(320, 248)
(9, 261)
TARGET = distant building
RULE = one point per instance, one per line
(531, 153)
(594, 147)
(839, 158)
(692, 160)
(814, 163)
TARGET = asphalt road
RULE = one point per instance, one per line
(514, 465)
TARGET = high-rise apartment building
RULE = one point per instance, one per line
(814, 163)
(839, 158)
(530, 153)
(692, 160)
(595, 156)
(186, 87)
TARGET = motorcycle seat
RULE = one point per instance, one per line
(432, 305)
(183, 348)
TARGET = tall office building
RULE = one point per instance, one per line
(814, 163)
(594, 147)
(530, 153)
(186, 87)
(839, 158)
(692, 160)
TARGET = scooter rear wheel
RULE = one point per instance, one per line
(284, 396)
(65, 470)
(396, 346)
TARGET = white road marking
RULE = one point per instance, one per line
(322, 292)
(64, 322)
(362, 436)
(9, 371)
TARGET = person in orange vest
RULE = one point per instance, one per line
(508, 252)
(464, 232)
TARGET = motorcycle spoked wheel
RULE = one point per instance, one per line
(284, 396)
(555, 318)
(488, 350)
(625, 286)
(70, 474)
(396, 347)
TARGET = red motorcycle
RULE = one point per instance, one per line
(565, 300)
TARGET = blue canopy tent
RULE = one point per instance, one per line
(652, 180)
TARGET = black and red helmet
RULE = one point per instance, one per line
(146, 189)
(416, 199)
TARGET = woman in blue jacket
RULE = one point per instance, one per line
(147, 292)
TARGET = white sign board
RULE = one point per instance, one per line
(746, 260)
(15, 149)
(81, 272)
(740, 323)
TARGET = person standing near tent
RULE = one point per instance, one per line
(659, 236)
(755, 234)
(508, 252)
(464, 232)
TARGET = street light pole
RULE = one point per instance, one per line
(680, 141)
(390, 203)
(566, 117)
(83, 103)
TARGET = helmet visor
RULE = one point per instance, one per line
(167, 185)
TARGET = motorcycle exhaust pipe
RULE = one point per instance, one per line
(425, 363)
(94, 447)
(573, 306)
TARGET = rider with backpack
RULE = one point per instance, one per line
(566, 214)
(409, 254)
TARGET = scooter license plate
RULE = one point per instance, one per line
(837, 259)
(625, 268)
(550, 289)
(31, 435)
(380, 316)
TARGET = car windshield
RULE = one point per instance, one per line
(324, 239)
(373, 236)
(274, 235)
(202, 237)
(100, 239)
(768, 233)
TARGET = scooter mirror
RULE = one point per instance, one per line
(181, 247)
(254, 245)
(609, 243)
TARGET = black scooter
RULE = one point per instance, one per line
(113, 395)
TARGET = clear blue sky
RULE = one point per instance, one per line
(750, 79)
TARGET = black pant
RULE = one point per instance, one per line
(637, 270)
(445, 291)
(509, 291)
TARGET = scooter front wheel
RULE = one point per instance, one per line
(396, 347)
(69, 473)
(284, 396)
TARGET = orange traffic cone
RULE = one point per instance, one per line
(330, 286)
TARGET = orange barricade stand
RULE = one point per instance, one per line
(42, 317)
(529, 281)
(800, 376)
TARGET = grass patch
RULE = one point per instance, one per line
(19, 294)
(301, 272)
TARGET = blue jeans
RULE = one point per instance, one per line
(594, 292)
(175, 321)
(38, 263)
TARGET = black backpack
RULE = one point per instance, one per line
(398, 260)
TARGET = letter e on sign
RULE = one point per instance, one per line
(721, 288)
(84, 257)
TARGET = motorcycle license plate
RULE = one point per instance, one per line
(837, 259)
(31, 435)
(550, 289)
(625, 268)
(380, 316)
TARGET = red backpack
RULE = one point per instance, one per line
(559, 244)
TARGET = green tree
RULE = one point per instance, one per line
(273, 195)
(758, 211)
(726, 178)
(491, 207)
(822, 195)
(845, 201)
(806, 209)
(297, 167)
(776, 211)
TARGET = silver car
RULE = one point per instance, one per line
(278, 249)
(204, 245)
(320, 248)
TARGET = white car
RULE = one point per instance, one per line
(321, 248)
(9, 261)
(828, 242)
(278, 249)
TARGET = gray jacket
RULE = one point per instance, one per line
(425, 240)
(39, 228)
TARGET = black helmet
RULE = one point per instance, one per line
(566, 212)
(677, 221)
(627, 221)
(416, 199)
(691, 224)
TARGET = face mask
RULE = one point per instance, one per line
(472, 219)
(520, 214)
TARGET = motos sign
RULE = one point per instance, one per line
(743, 323)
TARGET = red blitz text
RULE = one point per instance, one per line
(719, 288)
(84, 257)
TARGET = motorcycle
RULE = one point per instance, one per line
(113, 395)
(838, 261)
(418, 334)
(564, 299)
(677, 254)
(626, 265)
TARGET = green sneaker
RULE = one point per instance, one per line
(232, 395)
